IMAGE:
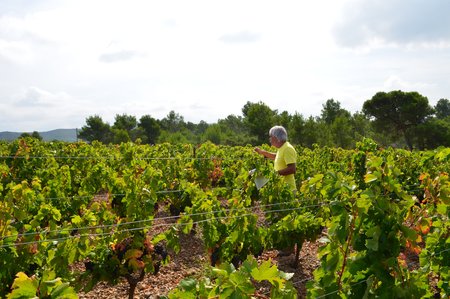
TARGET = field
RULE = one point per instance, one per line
(187, 221)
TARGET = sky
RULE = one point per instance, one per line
(62, 61)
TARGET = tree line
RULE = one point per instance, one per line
(396, 118)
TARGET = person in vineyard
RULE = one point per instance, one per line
(286, 156)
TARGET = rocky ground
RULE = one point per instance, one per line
(192, 261)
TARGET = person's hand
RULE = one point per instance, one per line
(258, 150)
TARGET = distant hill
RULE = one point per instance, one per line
(69, 135)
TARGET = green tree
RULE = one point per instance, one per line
(361, 127)
(120, 135)
(323, 133)
(124, 128)
(214, 134)
(297, 129)
(34, 135)
(283, 119)
(234, 131)
(201, 127)
(151, 128)
(173, 122)
(96, 129)
(331, 110)
(259, 118)
(174, 138)
(434, 133)
(398, 113)
(125, 122)
(311, 133)
(342, 132)
(442, 108)
(234, 123)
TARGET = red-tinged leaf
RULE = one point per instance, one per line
(423, 176)
(133, 253)
(402, 260)
(425, 225)
(136, 264)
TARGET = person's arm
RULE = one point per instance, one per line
(290, 169)
(265, 153)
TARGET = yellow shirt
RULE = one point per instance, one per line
(286, 154)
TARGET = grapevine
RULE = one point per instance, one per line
(381, 216)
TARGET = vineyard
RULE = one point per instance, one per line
(73, 215)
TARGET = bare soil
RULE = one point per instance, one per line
(193, 261)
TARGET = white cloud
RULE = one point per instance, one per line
(240, 37)
(62, 61)
(123, 55)
(36, 97)
(396, 22)
(41, 109)
(15, 52)
(396, 83)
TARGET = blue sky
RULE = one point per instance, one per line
(62, 61)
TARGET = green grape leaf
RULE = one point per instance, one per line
(266, 271)
(23, 287)
(370, 177)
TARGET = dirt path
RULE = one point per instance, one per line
(192, 260)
